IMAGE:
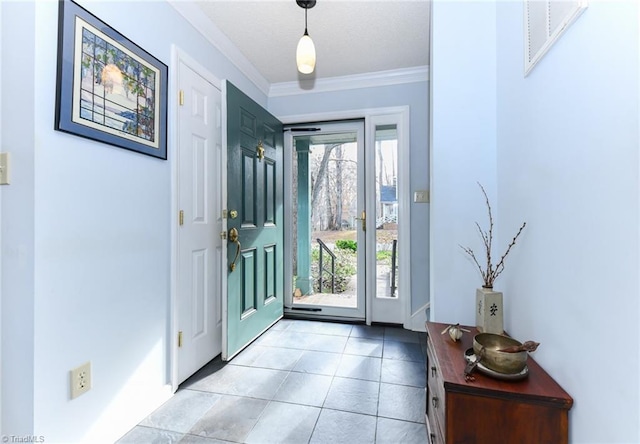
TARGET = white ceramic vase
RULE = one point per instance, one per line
(489, 312)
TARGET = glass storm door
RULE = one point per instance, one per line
(329, 220)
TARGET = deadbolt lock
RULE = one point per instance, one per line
(233, 214)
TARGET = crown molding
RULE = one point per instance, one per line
(372, 79)
(212, 33)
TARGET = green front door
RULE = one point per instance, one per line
(254, 222)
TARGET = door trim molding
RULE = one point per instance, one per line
(419, 318)
(179, 56)
(403, 112)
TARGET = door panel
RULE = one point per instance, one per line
(270, 181)
(248, 188)
(254, 189)
(248, 284)
(270, 272)
(199, 267)
(200, 201)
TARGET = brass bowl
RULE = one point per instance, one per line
(486, 346)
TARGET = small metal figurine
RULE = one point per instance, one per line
(471, 366)
(455, 332)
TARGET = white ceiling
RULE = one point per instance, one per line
(351, 37)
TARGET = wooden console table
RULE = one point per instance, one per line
(532, 410)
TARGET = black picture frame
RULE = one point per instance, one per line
(108, 88)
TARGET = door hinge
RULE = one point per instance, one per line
(181, 98)
(364, 221)
(179, 339)
(181, 217)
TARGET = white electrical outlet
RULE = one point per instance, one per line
(80, 380)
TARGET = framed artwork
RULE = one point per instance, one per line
(109, 89)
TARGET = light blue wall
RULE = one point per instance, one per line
(85, 238)
(18, 138)
(416, 96)
(561, 152)
(463, 150)
(568, 163)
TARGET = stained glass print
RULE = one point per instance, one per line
(117, 92)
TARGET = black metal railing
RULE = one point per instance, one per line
(322, 269)
(394, 253)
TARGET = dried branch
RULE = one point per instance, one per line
(469, 251)
(500, 266)
(490, 235)
(489, 274)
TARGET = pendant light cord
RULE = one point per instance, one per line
(305, 21)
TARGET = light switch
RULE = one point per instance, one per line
(5, 168)
(421, 196)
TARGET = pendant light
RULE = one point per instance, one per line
(306, 52)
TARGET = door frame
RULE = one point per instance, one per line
(179, 56)
(371, 116)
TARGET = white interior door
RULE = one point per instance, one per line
(199, 281)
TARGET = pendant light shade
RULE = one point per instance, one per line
(306, 51)
(306, 55)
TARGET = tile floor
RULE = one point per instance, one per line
(302, 382)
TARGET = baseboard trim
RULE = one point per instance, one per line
(419, 318)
